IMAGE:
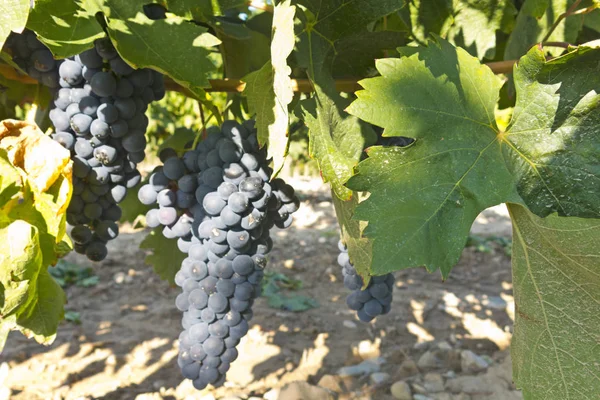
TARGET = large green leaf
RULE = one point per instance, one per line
(556, 278)
(13, 17)
(165, 257)
(66, 27)
(269, 90)
(173, 46)
(425, 197)
(552, 142)
(530, 27)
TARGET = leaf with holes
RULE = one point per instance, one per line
(425, 197)
(556, 278)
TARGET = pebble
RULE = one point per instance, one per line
(364, 368)
(428, 361)
(401, 391)
(379, 377)
(408, 368)
(367, 350)
(349, 324)
(433, 383)
(272, 394)
(122, 277)
(495, 303)
(303, 391)
(421, 397)
(331, 382)
(471, 362)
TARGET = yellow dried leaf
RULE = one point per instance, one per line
(42, 159)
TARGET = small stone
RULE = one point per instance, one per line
(111, 360)
(396, 355)
(418, 388)
(272, 394)
(367, 349)
(408, 368)
(364, 368)
(304, 391)
(421, 397)
(349, 324)
(442, 396)
(378, 378)
(471, 362)
(428, 361)
(443, 345)
(332, 382)
(157, 384)
(495, 303)
(119, 278)
(450, 374)
(401, 391)
(434, 383)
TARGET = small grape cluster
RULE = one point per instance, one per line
(100, 116)
(33, 58)
(218, 201)
(375, 299)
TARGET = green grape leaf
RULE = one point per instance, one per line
(556, 279)
(35, 190)
(370, 46)
(165, 257)
(20, 263)
(269, 90)
(246, 52)
(67, 28)
(469, 24)
(146, 43)
(359, 247)
(45, 311)
(530, 29)
(202, 11)
(13, 17)
(332, 35)
(424, 197)
(336, 139)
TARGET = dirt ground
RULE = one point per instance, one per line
(126, 345)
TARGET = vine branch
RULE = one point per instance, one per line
(236, 85)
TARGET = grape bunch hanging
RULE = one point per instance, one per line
(219, 201)
(99, 115)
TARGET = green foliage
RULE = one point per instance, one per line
(479, 166)
(164, 257)
(31, 237)
(556, 277)
(67, 274)
(13, 17)
(272, 286)
(67, 28)
(269, 90)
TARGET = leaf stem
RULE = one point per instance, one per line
(564, 45)
(570, 11)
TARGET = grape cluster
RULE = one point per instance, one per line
(371, 302)
(99, 115)
(33, 58)
(218, 201)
